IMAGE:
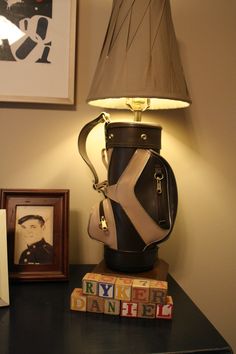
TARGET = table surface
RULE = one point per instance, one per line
(39, 321)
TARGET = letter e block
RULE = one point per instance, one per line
(140, 290)
(129, 309)
(111, 307)
(123, 289)
(106, 286)
(78, 300)
(95, 304)
(165, 311)
(90, 283)
(158, 291)
(146, 310)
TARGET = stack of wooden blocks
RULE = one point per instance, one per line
(124, 296)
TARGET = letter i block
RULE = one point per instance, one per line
(140, 290)
(78, 300)
(106, 286)
(123, 288)
(158, 291)
(95, 304)
(90, 283)
(165, 311)
(129, 309)
(146, 310)
(111, 307)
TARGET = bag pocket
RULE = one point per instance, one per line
(101, 225)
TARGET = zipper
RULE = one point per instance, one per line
(160, 178)
(102, 220)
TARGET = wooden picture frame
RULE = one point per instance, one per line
(37, 233)
(4, 286)
(37, 51)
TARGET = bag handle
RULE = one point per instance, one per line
(102, 118)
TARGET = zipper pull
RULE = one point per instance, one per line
(103, 224)
(158, 177)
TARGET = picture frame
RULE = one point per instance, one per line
(37, 233)
(37, 51)
(4, 284)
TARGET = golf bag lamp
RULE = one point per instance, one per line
(139, 68)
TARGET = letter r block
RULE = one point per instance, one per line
(106, 286)
(140, 290)
(129, 309)
(165, 311)
(90, 283)
(78, 300)
(158, 291)
(111, 307)
(123, 288)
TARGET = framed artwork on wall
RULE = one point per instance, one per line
(37, 233)
(4, 288)
(37, 51)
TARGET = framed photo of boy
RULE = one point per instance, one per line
(37, 233)
(4, 286)
(37, 51)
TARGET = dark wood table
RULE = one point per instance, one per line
(39, 321)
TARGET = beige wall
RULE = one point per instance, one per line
(38, 149)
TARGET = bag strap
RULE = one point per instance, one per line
(102, 118)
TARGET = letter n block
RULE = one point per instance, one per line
(90, 283)
(106, 286)
(123, 288)
(129, 309)
(78, 300)
(146, 310)
(95, 304)
(165, 311)
(158, 291)
(111, 307)
(140, 290)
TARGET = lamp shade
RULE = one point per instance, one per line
(139, 58)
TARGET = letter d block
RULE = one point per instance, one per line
(129, 309)
(140, 290)
(78, 300)
(90, 283)
(146, 310)
(106, 286)
(158, 291)
(123, 288)
(111, 307)
(165, 311)
(95, 304)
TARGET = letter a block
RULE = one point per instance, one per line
(95, 304)
(129, 309)
(78, 300)
(123, 288)
(140, 290)
(106, 286)
(165, 311)
(90, 283)
(158, 291)
(111, 307)
(146, 310)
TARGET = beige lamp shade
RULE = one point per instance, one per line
(139, 58)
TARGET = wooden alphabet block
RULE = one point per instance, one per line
(140, 290)
(129, 309)
(90, 283)
(123, 288)
(106, 286)
(78, 300)
(146, 310)
(158, 291)
(95, 304)
(165, 311)
(111, 307)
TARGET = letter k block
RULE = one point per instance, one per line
(123, 288)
